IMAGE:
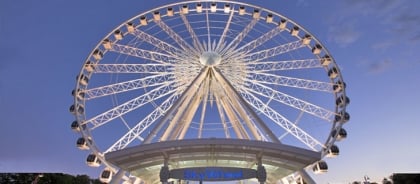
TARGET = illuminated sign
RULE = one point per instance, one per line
(213, 173)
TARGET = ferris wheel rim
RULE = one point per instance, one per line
(82, 117)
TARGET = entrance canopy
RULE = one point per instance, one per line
(145, 161)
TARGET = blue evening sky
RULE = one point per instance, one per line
(43, 45)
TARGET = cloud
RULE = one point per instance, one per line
(407, 17)
(302, 3)
(371, 6)
(374, 8)
(415, 38)
(383, 45)
(344, 34)
(406, 24)
(400, 18)
(395, 20)
(379, 67)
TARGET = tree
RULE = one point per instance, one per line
(82, 179)
(406, 178)
(47, 178)
(386, 181)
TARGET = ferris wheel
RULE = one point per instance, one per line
(203, 70)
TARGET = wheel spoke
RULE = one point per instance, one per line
(267, 66)
(268, 53)
(134, 68)
(291, 101)
(225, 30)
(265, 78)
(196, 42)
(163, 46)
(178, 39)
(257, 42)
(238, 39)
(145, 123)
(208, 28)
(141, 53)
(130, 105)
(281, 121)
(121, 87)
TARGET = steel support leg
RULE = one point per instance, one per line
(261, 173)
(305, 176)
(164, 172)
(116, 179)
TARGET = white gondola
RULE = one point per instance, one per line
(294, 31)
(242, 10)
(306, 40)
(118, 34)
(227, 8)
(79, 109)
(93, 161)
(75, 126)
(326, 60)
(333, 151)
(199, 7)
(317, 49)
(89, 66)
(83, 80)
(73, 92)
(97, 54)
(143, 20)
(72, 109)
(213, 7)
(342, 101)
(170, 11)
(185, 9)
(320, 167)
(269, 18)
(282, 24)
(256, 14)
(156, 15)
(79, 94)
(333, 73)
(106, 176)
(339, 86)
(130, 27)
(342, 117)
(82, 144)
(107, 44)
(342, 134)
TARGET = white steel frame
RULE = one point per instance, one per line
(155, 59)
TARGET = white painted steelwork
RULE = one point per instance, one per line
(202, 69)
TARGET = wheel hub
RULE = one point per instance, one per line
(210, 58)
